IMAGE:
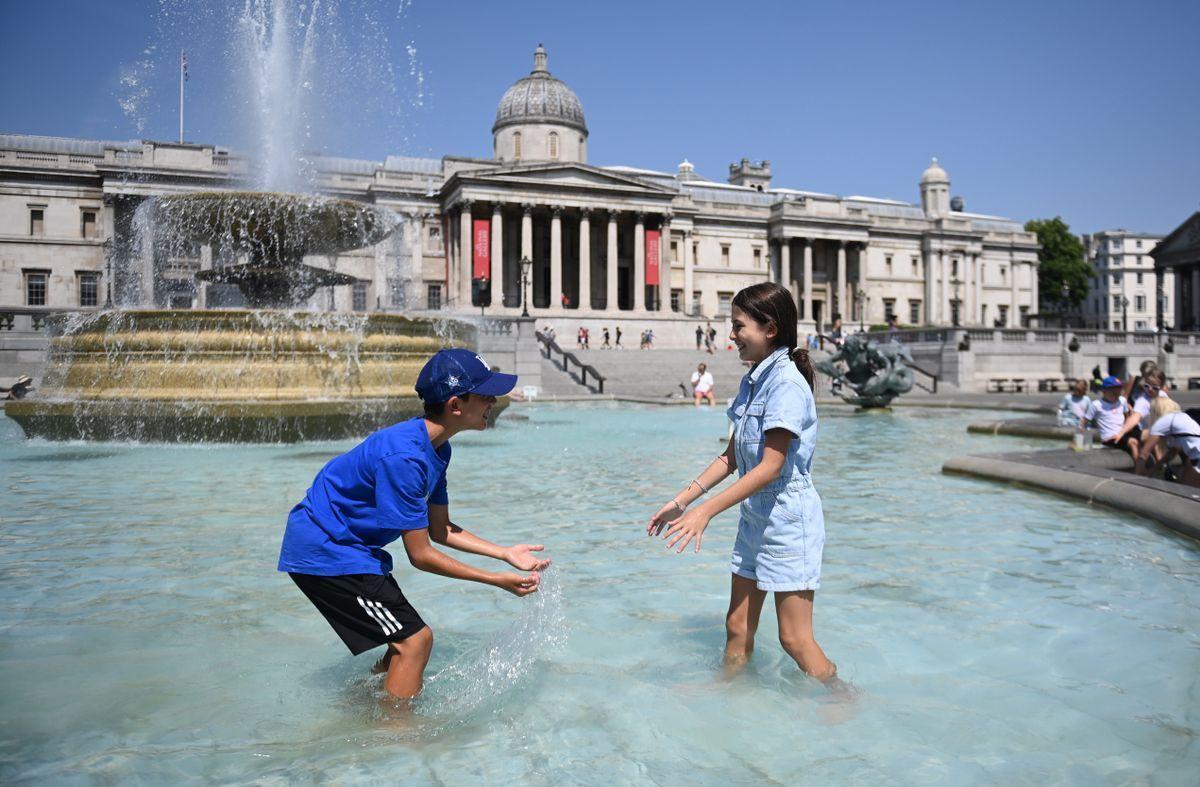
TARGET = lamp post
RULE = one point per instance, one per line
(860, 299)
(526, 267)
(956, 283)
(1066, 301)
(108, 283)
(1124, 314)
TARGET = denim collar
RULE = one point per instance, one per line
(765, 364)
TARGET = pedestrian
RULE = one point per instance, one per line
(781, 530)
(836, 334)
(1108, 414)
(606, 345)
(711, 344)
(587, 338)
(702, 385)
(618, 337)
(1074, 406)
(392, 486)
(19, 389)
(699, 336)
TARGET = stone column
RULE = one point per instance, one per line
(201, 287)
(808, 280)
(664, 263)
(945, 264)
(977, 272)
(585, 259)
(927, 258)
(466, 253)
(556, 251)
(146, 290)
(1195, 296)
(689, 271)
(610, 264)
(383, 296)
(497, 267)
(526, 231)
(418, 260)
(1014, 318)
(841, 281)
(639, 263)
(1033, 291)
(785, 265)
(862, 283)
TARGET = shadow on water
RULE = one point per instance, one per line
(77, 455)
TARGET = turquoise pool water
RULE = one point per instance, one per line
(995, 635)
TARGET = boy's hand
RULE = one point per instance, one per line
(520, 557)
(518, 584)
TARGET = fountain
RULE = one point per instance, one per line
(272, 372)
(874, 372)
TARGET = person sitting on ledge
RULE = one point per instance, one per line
(19, 389)
(392, 486)
(1151, 383)
(1074, 405)
(1108, 415)
(1177, 430)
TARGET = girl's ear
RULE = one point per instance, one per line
(772, 330)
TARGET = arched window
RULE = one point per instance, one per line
(517, 145)
(553, 144)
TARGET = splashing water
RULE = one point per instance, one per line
(481, 679)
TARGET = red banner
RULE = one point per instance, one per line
(652, 255)
(482, 251)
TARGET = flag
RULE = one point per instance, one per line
(183, 65)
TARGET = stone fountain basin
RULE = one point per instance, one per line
(232, 376)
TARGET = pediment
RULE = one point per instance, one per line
(1185, 238)
(566, 176)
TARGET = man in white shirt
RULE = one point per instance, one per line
(702, 385)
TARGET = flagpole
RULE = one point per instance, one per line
(181, 56)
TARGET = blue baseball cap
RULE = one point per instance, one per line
(1110, 382)
(454, 372)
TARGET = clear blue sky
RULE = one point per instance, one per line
(1089, 110)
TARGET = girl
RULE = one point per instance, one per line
(782, 530)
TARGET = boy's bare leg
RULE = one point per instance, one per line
(741, 623)
(406, 664)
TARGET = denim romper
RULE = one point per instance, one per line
(781, 532)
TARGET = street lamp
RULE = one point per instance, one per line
(1124, 314)
(860, 298)
(526, 267)
(1066, 301)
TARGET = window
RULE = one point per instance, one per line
(1140, 325)
(554, 144)
(1139, 245)
(89, 288)
(1139, 277)
(724, 301)
(37, 221)
(435, 237)
(1116, 261)
(676, 297)
(87, 224)
(757, 257)
(983, 314)
(1139, 303)
(360, 296)
(914, 312)
(1003, 274)
(887, 263)
(179, 300)
(889, 306)
(1116, 301)
(954, 269)
(916, 267)
(35, 287)
(433, 297)
(1116, 244)
(1116, 325)
(1024, 317)
(517, 145)
(696, 253)
(696, 302)
(1116, 279)
(725, 256)
(674, 252)
(1003, 315)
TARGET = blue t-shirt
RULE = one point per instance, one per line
(364, 500)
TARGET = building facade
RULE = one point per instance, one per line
(1177, 260)
(1124, 285)
(602, 242)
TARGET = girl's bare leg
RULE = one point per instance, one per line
(406, 665)
(741, 622)
(794, 610)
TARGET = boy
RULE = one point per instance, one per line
(390, 486)
(1108, 415)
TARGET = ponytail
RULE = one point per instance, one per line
(804, 364)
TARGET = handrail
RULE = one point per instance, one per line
(550, 346)
(933, 377)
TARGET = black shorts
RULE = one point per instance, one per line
(1133, 434)
(366, 610)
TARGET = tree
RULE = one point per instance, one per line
(1061, 261)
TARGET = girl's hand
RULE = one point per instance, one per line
(685, 528)
(520, 557)
(667, 514)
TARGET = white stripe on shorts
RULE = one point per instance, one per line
(390, 616)
(383, 624)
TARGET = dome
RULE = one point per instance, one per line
(539, 98)
(934, 174)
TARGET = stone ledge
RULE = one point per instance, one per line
(1098, 476)
(1023, 427)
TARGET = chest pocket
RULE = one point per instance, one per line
(751, 430)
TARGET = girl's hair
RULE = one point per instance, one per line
(770, 302)
(1155, 376)
(1161, 406)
